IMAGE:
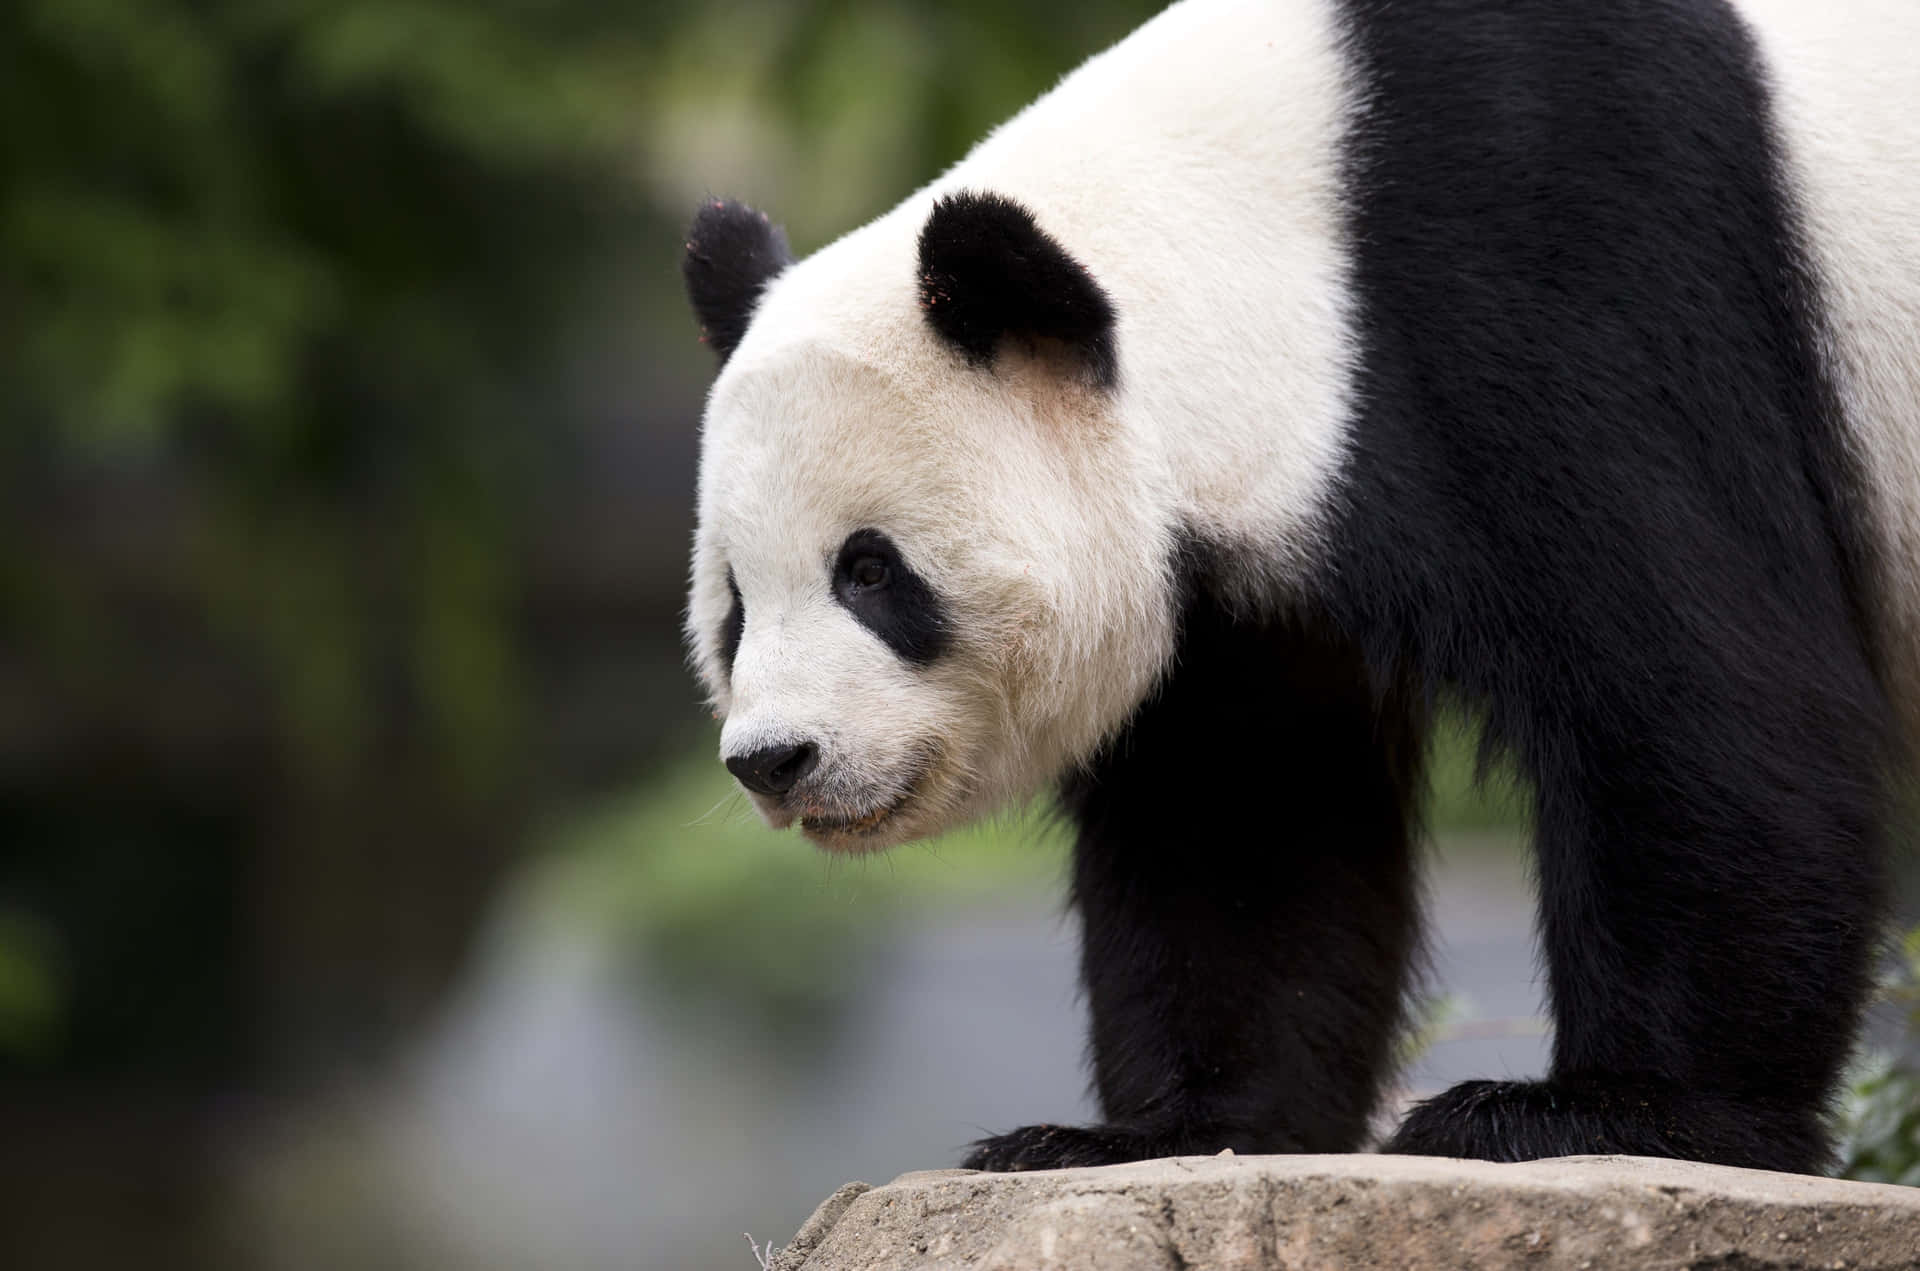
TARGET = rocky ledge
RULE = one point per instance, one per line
(1263, 1213)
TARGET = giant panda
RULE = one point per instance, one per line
(1292, 367)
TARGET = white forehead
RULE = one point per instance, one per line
(809, 446)
(842, 409)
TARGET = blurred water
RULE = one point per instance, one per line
(1482, 956)
(567, 1114)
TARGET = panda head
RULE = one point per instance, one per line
(931, 568)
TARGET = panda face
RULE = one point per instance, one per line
(828, 638)
(924, 583)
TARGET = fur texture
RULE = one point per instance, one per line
(1559, 358)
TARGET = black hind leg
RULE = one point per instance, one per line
(1243, 874)
(1709, 896)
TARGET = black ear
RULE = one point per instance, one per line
(988, 272)
(732, 252)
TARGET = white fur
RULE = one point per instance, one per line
(1846, 82)
(1042, 511)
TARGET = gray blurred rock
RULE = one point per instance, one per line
(1299, 1212)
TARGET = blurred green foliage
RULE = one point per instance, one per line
(1880, 1110)
(31, 1008)
(1471, 790)
(298, 262)
(214, 192)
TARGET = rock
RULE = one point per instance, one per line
(1255, 1213)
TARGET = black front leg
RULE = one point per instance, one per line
(1711, 879)
(1244, 877)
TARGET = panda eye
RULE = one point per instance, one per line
(880, 588)
(733, 626)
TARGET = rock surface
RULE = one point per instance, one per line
(1258, 1213)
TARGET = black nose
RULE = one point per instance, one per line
(774, 769)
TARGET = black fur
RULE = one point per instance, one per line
(732, 627)
(1247, 901)
(902, 610)
(732, 253)
(1598, 488)
(988, 273)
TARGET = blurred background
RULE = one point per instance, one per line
(369, 894)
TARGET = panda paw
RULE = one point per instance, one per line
(1482, 1120)
(1034, 1147)
(1531, 1120)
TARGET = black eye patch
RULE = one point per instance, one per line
(877, 587)
(732, 627)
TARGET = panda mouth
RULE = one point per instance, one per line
(866, 823)
(825, 825)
